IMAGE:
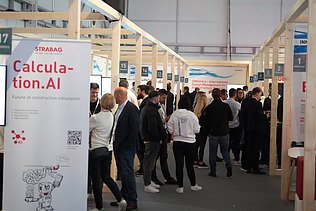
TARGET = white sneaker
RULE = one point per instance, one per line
(150, 189)
(122, 205)
(179, 190)
(154, 185)
(196, 188)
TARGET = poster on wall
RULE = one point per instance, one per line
(46, 147)
(99, 65)
(299, 82)
(207, 77)
(3, 79)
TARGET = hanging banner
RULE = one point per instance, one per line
(46, 136)
(159, 73)
(251, 79)
(260, 76)
(169, 76)
(279, 70)
(5, 41)
(145, 71)
(267, 73)
(299, 82)
(255, 78)
(123, 66)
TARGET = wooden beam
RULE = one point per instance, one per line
(217, 63)
(154, 65)
(109, 41)
(287, 111)
(138, 60)
(310, 123)
(274, 101)
(40, 30)
(260, 68)
(103, 31)
(266, 66)
(165, 69)
(116, 38)
(173, 71)
(74, 19)
(103, 8)
(178, 82)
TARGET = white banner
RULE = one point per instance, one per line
(46, 137)
(208, 77)
(299, 82)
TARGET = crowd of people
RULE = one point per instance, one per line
(146, 121)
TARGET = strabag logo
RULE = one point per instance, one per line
(48, 49)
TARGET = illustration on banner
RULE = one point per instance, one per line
(45, 179)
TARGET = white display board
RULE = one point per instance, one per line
(106, 85)
(299, 82)
(97, 79)
(3, 77)
(46, 136)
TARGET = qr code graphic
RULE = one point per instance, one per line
(74, 137)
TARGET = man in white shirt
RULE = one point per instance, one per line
(235, 130)
(130, 95)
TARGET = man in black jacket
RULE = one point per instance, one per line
(170, 100)
(152, 133)
(126, 136)
(255, 127)
(216, 117)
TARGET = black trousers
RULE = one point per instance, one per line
(255, 139)
(181, 151)
(1, 179)
(279, 143)
(140, 152)
(199, 147)
(244, 147)
(234, 141)
(100, 172)
(163, 158)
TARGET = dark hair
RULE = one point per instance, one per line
(186, 88)
(162, 92)
(223, 91)
(249, 94)
(94, 86)
(144, 88)
(153, 94)
(256, 90)
(169, 87)
(239, 89)
(232, 92)
(244, 88)
(184, 103)
(123, 83)
(216, 93)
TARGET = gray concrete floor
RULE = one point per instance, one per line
(240, 192)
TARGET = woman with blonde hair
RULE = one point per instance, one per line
(101, 128)
(200, 143)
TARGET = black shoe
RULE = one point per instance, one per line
(157, 181)
(139, 172)
(212, 174)
(218, 159)
(131, 207)
(171, 181)
(249, 171)
(229, 172)
(113, 203)
(258, 172)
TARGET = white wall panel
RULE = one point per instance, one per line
(152, 10)
(203, 10)
(202, 33)
(164, 31)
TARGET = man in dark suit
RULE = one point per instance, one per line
(170, 99)
(126, 136)
(255, 127)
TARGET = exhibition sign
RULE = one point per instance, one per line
(3, 77)
(46, 135)
(208, 77)
(5, 41)
(299, 82)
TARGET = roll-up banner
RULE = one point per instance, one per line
(46, 136)
(299, 82)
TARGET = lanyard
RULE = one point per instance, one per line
(95, 108)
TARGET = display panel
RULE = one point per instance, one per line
(3, 77)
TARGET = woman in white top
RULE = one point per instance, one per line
(101, 128)
(183, 125)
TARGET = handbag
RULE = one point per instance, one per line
(102, 151)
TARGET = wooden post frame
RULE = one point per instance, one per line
(274, 101)
(74, 19)
(310, 123)
(266, 66)
(173, 71)
(178, 82)
(165, 69)
(287, 111)
(154, 65)
(116, 52)
(138, 60)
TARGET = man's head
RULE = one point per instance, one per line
(216, 93)
(186, 89)
(120, 95)
(245, 88)
(154, 97)
(163, 94)
(142, 91)
(94, 91)
(223, 94)
(257, 93)
(197, 89)
(233, 93)
(168, 86)
(240, 94)
(123, 83)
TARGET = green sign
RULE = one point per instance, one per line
(182, 79)
(169, 76)
(176, 77)
(145, 71)
(267, 73)
(255, 78)
(186, 80)
(5, 41)
(260, 76)
(251, 79)
(279, 70)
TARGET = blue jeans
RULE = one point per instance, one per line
(223, 142)
(125, 166)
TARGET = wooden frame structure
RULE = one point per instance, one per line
(286, 28)
(124, 41)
